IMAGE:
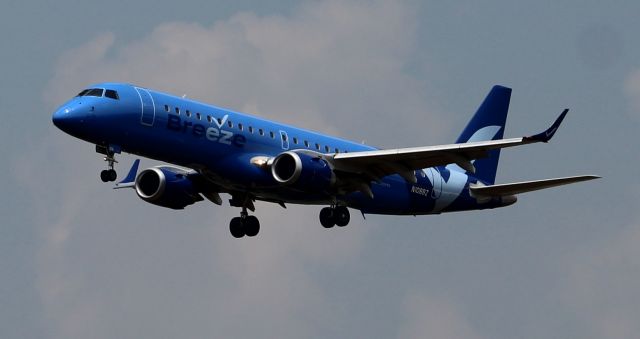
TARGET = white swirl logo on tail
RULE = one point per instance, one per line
(485, 133)
(445, 192)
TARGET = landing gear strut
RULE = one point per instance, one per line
(110, 173)
(243, 225)
(335, 215)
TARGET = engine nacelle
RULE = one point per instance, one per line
(166, 187)
(302, 171)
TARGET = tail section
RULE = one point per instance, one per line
(488, 124)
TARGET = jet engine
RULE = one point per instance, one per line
(166, 187)
(303, 171)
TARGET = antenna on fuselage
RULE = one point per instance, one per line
(184, 96)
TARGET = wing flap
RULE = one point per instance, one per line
(526, 186)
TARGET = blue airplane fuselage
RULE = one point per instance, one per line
(224, 144)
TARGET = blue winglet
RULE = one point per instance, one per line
(129, 181)
(548, 134)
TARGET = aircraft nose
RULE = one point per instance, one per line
(63, 117)
(59, 117)
(68, 119)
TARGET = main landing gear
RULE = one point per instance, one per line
(248, 225)
(110, 173)
(243, 225)
(334, 215)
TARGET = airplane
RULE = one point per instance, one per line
(213, 150)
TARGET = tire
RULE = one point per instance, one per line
(104, 176)
(327, 219)
(251, 226)
(236, 227)
(113, 175)
(342, 216)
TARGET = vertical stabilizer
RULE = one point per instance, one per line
(488, 124)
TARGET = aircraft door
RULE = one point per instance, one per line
(285, 140)
(148, 107)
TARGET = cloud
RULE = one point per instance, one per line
(329, 66)
(113, 266)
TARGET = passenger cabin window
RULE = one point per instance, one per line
(272, 135)
(337, 150)
(166, 108)
(326, 149)
(261, 132)
(230, 124)
(306, 143)
(111, 94)
(317, 146)
(198, 116)
(295, 140)
(240, 126)
(219, 121)
(250, 129)
(209, 119)
(178, 110)
(188, 113)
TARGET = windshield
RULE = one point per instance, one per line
(99, 92)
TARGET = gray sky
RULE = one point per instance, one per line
(79, 260)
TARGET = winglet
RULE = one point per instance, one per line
(548, 134)
(129, 181)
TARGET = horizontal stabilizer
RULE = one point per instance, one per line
(526, 186)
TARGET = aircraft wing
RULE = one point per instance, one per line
(404, 161)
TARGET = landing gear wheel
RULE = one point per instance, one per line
(341, 216)
(104, 176)
(251, 226)
(236, 226)
(108, 175)
(327, 218)
(112, 175)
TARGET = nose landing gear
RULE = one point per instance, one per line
(110, 173)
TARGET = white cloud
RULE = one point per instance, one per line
(330, 66)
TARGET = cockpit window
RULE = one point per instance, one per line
(94, 92)
(111, 94)
(98, 92)
(82, 93)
